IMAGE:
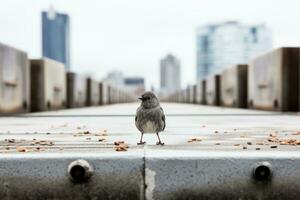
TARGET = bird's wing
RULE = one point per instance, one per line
(136, 114)
(163, 118)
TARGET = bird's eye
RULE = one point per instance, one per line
(147, 98)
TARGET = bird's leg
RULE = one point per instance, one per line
(159, 141)
(141, 140)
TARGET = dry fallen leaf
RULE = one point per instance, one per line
(119, 142)
(22, 149)
(101, 139)
(102, 134)
(194, 140)
(11, 140)
(273, 135)
(121, 148)
(271, 139)
(44, 142)
(289, 141)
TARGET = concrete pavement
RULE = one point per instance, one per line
(209, 152)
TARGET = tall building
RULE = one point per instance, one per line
(115, 78)
(56, 36)
(222, 45)
(135, 85)
(169, 74)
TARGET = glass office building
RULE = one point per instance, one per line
(56, 37)
(135, 85)
(222, 45)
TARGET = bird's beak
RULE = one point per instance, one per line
(141, 98)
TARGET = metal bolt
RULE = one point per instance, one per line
(80, 171)
(262, 171)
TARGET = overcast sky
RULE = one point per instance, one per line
(133, 35)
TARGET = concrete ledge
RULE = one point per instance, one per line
(45, 176)
(219, 175)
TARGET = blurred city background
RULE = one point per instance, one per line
(155, 45)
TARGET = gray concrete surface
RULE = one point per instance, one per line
(209, 153)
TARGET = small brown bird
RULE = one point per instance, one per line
(150, 117)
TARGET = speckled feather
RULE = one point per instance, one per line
(154, 116)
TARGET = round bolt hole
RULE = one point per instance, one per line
(262, 172)
(80, 171)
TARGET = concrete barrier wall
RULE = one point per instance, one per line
(212, 94)
(190, 94)
(14, 80)
(270, 82)
(48, 85)
(274, 80)
(200, 92)
(103, 93)
(93, 95)
(51, 87)
(234, 86)
(194, 93)
(112, 95)
(76, 90)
